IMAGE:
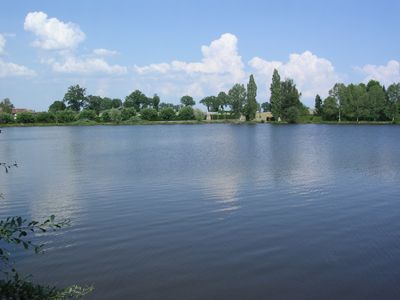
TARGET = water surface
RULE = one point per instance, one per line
(212, 211)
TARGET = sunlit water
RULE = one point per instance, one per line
(212, 211)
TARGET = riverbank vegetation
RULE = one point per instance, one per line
(353, 103)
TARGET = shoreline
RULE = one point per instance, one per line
(194, 122)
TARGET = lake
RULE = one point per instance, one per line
(212, 211)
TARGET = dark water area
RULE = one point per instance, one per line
(211, 211)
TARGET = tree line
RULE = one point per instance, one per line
(360, 102)
(353, 102)
(77, 106)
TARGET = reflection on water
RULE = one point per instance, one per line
(212, 211)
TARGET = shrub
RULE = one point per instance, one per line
(167, 114)
(292, 115)
(6, 118)
(135, 119)
(105, 116)
(115, 115)
(65, 116)
(87, 114)
(149, 114)
(186, 113)
(25, 117)
(199, 115)
(127, 113)
(45, 117)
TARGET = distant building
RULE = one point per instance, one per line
(16, 111)
(263, 116)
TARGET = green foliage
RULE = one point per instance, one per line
(6, 106)
(75, 97)
(290, 97)
(116, 103)
(199, 114)
(223, 100)
(330, 109)
(137, 100)
(45, 117)
(276, 96)
(251, 104)
(167, 114)
(25, 117)
(6, 118)
(57, 106)
(318, 105)
(127, 113)
(87, 114)
(266, 106)
(186, 113)
(105, 116)
(156, 102)
(292, 115)
(115, 115)
(149, 114)
(65, 116)
(393, 97)
(187, 101)
(237, 95)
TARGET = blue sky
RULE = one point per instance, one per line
(172, 47)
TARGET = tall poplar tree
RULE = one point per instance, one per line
(276, 97)
(251, 105)
(318, 105)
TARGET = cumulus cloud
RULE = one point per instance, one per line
(220, 67)
(2, 43)
(104, 52)
(312, 74)
(8, 69)
(86, 66)
(51, 33)
(387, 74)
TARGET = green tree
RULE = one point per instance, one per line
(94, 103)
(251, 103)
(338, 93)
(266, 106)
(223, 100)
(167, 114)
(393, 95)
(156, 102)
(237, 95)
(45, 117)
(330, 109)
(87, 114)
(149, 114)
(6, 118)
(65, 116)
(290, 97)
(57, 106)
(116, 103)
(318, 106)
(127, 113)
(6, 106)
(187, 101)
(206, 101)
(376, 100)
(136, 100)
(25, 117)
(276, 98)
(292, 114)
(186, 113)
(115, 115)
(75, 97)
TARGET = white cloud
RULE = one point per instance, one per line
(104, 52)
(2, 43)
(76, 65)
(386, 74)
(8, 69)
(52, 34)
(220, 67)
(312, 74)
